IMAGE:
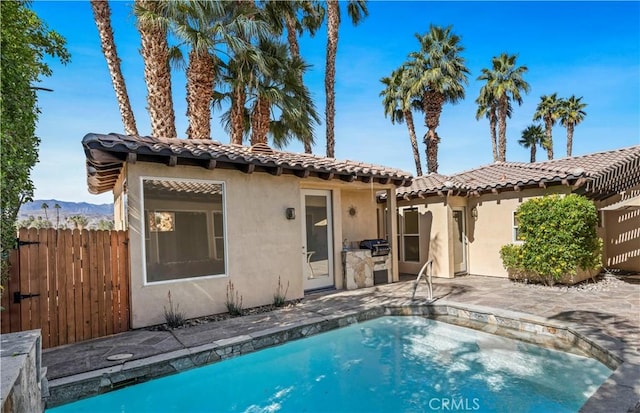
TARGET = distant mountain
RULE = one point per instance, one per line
(34, 208)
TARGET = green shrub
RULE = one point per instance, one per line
(559, 235)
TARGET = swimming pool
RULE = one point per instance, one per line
(389, 364)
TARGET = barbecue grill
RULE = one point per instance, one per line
(378, 247)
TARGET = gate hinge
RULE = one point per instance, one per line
(17, 297)
(21, 242)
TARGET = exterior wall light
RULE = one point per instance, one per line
(474, 213)
(290, 213)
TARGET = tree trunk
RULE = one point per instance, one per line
(533, 153)
(493, 120)
(549, 143)
(200, 80)
(333, 21)
(237, 114)
(294, 47)
(569, 139)
(503, 106)
(260, 118)
(102, 17)
(408, 117)
(432, 106)
(157, 76)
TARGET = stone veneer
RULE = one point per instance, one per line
(359, 267)
(22, 388)
(524, 327)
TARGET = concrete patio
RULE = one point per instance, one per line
(607, 315)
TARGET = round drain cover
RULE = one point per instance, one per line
(121, 356)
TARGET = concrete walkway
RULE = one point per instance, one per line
(608, 314)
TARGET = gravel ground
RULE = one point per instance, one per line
(602, 282)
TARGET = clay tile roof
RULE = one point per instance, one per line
(106, 155)
(603, 172)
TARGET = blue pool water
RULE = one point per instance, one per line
(390, 364)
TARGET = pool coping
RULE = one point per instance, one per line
(619, 393)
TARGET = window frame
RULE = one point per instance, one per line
(402, 235)
(144, 230)
(514, 229)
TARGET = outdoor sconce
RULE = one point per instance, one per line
(290, 213)
(474, 213)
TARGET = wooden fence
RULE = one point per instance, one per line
(71, 284)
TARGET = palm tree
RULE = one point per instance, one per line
(488, 107)
(78, 221)
(277, 90)
(45, 207)
(57, 207)
(571, 114)
(210, 30)
(398, 109)
(157, 73)
(436, 75)
(548, 111)
(357, 10)
(102, 17)
(298, 17)
(532, 136)
(505, 83)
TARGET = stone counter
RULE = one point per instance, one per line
(360, 268)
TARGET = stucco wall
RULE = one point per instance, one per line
(363, 224)
(434, 237)
(261, 243)
(494, 227)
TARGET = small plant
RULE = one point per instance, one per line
(172, 315)
(280, 297)
(234, 300)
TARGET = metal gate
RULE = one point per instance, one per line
(71, 284)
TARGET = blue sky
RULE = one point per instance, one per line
(588, 49)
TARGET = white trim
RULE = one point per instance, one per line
(465, 241)
(143, 230)
(514, 229)
(402, 234)
(328, 195)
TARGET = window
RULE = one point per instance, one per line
(409, 234)
(184, 229)
(517, 237)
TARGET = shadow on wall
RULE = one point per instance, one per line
(623, 239)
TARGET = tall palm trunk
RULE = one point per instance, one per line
(333, 21)
(503, 107)
(533, 153)
(408, 117)
(102, 17)
(200, 81)
(432, 108)
(493, 120)
(157, 75)
(237, 113)
(569, 139)
(260, 117)
(294, 47)
(548, 124)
